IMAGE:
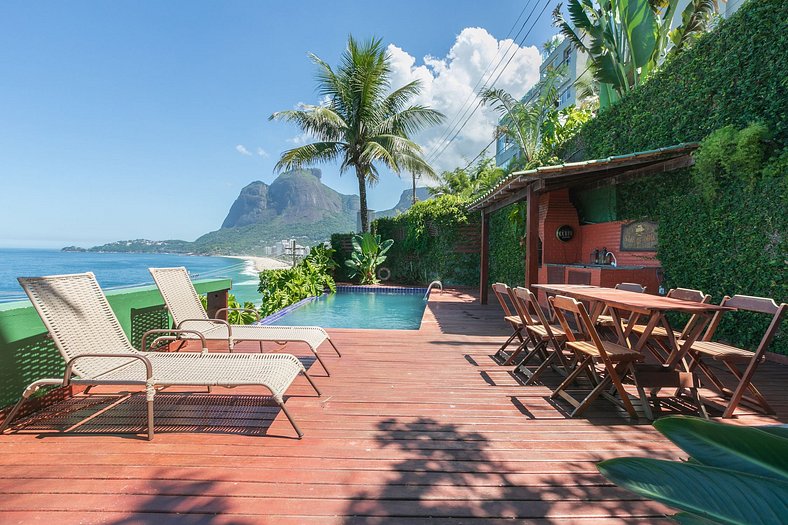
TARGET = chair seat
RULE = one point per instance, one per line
(658, 331)
(721, 351)
(539, 331)
(604, 320)
(615, 351)
(514, 320)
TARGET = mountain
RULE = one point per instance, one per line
(296, 197)
(297, 205)
(405, 202)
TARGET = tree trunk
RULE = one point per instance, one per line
(414, 187)
(362, 195)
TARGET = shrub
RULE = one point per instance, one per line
(310, 277)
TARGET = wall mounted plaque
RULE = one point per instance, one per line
(639, 236)
(565, 233)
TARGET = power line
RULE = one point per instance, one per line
(440, 151)
(463, 109)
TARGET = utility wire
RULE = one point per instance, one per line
(440, 151)
(465, 106)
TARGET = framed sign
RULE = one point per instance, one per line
(565, 233)
(639, 236)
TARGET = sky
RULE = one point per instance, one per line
(144, 119)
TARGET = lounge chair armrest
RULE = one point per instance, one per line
(172, 331)
(204, 320)
(255, 312)
(145, 361)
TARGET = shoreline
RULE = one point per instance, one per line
(260, 263)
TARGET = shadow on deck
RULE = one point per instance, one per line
(414, 427)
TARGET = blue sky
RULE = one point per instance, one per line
(131, 119)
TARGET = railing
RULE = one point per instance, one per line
(28, 354)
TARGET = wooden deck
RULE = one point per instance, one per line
(414, 427)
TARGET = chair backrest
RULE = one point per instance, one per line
(748, 303)
(586, 331)
(631, 287)
(520, 302)
(688, 294)
(532, 302)
(178, 292)
(80, 321)
(502, 291)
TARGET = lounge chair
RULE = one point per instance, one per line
(89, 337)
(187, 312)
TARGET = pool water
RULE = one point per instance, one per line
(381, 311)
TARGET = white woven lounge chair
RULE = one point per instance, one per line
(89, 337)
(184, 305)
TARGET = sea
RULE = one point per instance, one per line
(121, 270)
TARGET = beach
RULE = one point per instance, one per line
(261, 263)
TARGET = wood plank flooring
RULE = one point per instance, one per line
(414, 427)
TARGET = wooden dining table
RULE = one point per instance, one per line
(673, 371)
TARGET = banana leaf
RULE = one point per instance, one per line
(719, 495)
(744, 449)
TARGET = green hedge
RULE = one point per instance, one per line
(728, 235)
(734, 75)
(426, 243)
(507, 255)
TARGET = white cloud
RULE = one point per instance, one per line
(240, 148)
(448, 85)
(300, 139)
(262, 153)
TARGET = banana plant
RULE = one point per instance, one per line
(368, 253)
(734, 474)
(626, 40)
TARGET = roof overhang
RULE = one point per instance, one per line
(589, 173)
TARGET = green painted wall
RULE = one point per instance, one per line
(26, 355)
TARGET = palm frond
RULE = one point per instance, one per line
(320, 122)
(309, 154)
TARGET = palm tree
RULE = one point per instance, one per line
(362, 123)
(522, 121)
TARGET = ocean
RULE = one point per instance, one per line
(120, 270)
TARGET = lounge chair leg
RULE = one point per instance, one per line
(311, 382)
(334, 347)
(12, 414)
(150, 420)
(289, 418)
(321, 362)
(29, 391)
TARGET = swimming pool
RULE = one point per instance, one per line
(366, 307)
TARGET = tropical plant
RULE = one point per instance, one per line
(322, 256)
(362, 122)
(368, 253)
(235, 316)
(522, 121)
(559, 126)
(309, 278)
(626, 40)
(734, 475)
(469, 182)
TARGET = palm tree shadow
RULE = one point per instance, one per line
(451, 475)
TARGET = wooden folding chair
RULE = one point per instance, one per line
(616, 361)
(604, 320)
(548, 339)
(659, 342)
(733, 357)
(502, 291)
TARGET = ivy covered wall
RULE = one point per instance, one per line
(435, 239)
(733, 239)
